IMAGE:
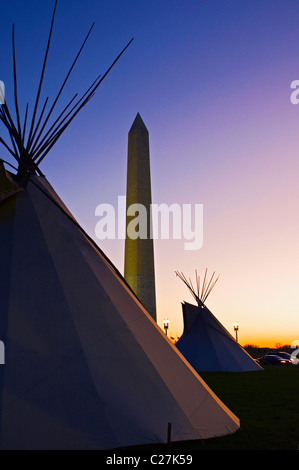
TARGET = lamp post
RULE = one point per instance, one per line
(166, 326)
(236, 329)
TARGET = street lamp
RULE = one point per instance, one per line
(236, 329)
(166, 326)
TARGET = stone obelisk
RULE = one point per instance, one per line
(139, 253)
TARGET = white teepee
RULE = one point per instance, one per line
(205, 343)
(86, 366)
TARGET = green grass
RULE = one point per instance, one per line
(266, 402)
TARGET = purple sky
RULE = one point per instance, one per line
(211, 80)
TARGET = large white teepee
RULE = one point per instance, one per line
(205, 343)
(86, 366)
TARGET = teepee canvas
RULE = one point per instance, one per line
(86, 367)
(205, 343)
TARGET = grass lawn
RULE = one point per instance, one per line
(267, 404)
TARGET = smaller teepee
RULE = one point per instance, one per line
(205, 343)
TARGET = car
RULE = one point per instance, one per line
(288, 357)
(284, 355)
(273, 359)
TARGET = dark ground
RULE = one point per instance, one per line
(267, 404)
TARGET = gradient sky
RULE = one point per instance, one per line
(211, 80)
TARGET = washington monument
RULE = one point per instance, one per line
(139, 253)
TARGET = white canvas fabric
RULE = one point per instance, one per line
(86, 366)
(208, 346)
